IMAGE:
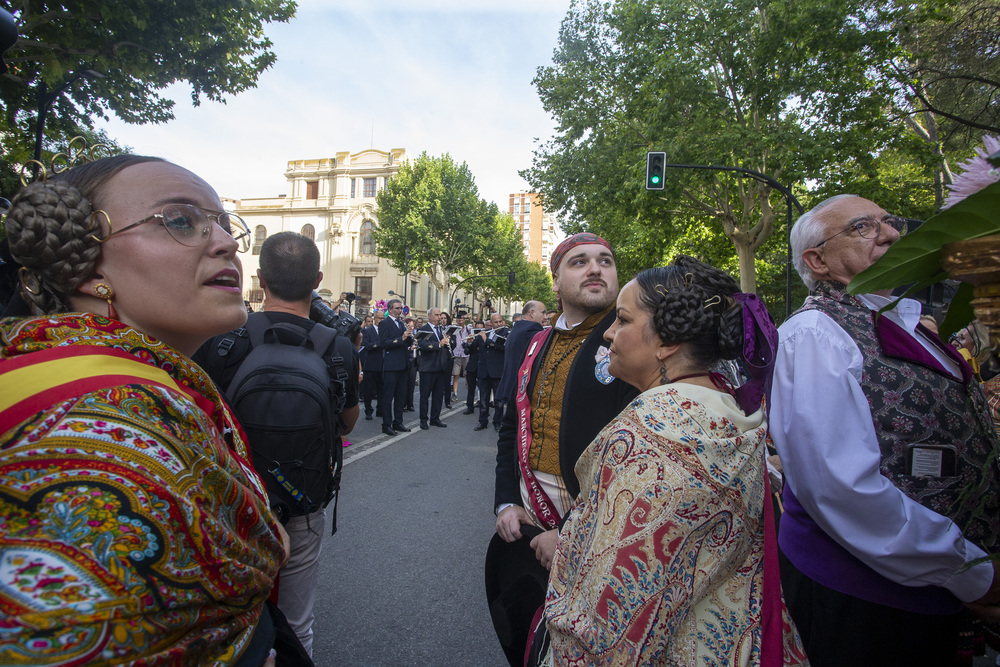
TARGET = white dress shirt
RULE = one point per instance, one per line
(822, 427)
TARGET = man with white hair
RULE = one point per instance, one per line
(893, 489)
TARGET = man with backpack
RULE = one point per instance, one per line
(293, 384)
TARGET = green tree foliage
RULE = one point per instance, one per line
(810, 93)
(430, 212)
(139, 47)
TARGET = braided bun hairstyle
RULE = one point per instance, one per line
(691, 302)
(55, 236)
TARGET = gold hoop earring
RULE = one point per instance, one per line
(106, 292)
(95, 224)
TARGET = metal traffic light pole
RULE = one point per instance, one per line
(656, 167)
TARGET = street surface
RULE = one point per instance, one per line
(401, 583)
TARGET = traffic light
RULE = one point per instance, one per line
(655, 168)
(510, 278)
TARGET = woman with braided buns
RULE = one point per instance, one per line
(132, 528)
(661, 560)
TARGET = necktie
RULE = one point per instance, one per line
(437, 330)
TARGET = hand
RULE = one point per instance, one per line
(509, 522)
(286, 543)
(545, 547)
(988, 613)
(408, 333)
(992, 596)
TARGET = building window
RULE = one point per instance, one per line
(259, 236)
(370, 187)
(312, 189)
(309, 232)
(413, 293)
(527, 207)
(367, 244)
(256, 295)
(363, 288)
(353, 189)
(430, 295)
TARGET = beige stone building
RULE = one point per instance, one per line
(539, 229)
(332, 200)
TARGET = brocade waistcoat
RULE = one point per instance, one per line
(914, 402)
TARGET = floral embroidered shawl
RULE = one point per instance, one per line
(660, 561)
(132, 530)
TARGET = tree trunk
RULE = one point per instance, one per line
(748, 270)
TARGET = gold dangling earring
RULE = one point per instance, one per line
(105, 291)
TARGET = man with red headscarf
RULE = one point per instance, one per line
(562, 397)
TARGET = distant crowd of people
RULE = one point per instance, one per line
(167, 464)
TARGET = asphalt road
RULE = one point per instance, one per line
(401, 583)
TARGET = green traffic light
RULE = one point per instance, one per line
(655, 180)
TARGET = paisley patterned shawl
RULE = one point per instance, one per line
(661, 559)
(131, 527)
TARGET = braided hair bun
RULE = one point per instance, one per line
(48, 229)
(691, 302)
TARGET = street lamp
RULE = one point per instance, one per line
(789, 200)
(45, 100)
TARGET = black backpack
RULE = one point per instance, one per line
(289, 393)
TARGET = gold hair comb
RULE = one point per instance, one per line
(661, 290)
(714, 301)
(77, 153)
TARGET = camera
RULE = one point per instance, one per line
(343, 322)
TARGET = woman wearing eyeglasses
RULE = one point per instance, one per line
(132, 527)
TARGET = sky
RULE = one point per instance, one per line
(441, 76)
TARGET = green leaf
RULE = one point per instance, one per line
(960, 312)
(917, 256)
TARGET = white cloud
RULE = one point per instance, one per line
(436, 76)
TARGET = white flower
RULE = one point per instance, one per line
(977, 174)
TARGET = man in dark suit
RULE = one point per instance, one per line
(371, 366)
(530, 323)
(490, 370)
(394, 339)
(434, 357)
(472, 346)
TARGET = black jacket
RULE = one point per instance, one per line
(396, 349)
(371, 351)
(517, 342)
(588, 406)
(432, 356)
(491, 355)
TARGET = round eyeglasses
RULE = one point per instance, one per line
(191, 225)
(869, 228)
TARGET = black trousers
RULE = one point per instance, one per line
(471, 381)
(432, 388)
(371, 388)
(393, 396)
(411, 384)
(488, 387)
(839, 630)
